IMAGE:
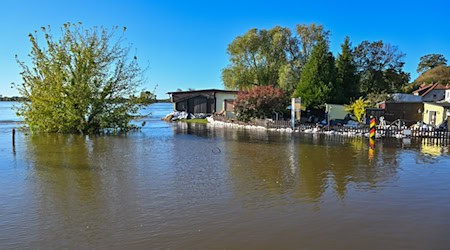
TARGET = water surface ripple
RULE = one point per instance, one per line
(187, 186)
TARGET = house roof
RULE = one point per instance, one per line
(423, 91)
(207, 93)
(204, 90)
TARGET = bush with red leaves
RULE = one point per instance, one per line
(260, 102)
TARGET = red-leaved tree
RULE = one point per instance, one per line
(260, 102)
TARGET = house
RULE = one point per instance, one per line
(207, 101)
(435, 113)
(447, 94)
(432, 92)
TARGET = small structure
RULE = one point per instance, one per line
(336, 111)
(436, 113)
(432, 92)
(207, 101)
(405, 107)
(409, 112)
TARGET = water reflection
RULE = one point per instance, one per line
(298, 167)
(191, 185)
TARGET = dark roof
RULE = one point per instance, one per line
(204, 90)
(423, 91)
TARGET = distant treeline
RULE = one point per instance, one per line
(21, 99)
(12, 99)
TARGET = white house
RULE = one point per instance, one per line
(432, 92)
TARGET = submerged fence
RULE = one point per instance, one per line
(381, 131)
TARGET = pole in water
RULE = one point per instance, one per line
(372, 131)
(14, 138)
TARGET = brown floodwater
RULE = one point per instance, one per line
(187, 186)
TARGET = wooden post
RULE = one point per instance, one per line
(14, 138)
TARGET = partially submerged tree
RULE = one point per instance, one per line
(260, 102)
(80, 82)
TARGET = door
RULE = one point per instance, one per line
(432, 118)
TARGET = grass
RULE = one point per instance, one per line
(202, 121)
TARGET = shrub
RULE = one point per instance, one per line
(260, 102)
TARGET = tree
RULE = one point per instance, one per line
(357, 108)
(256, 58)
(310, 36)
(271, 57)
(260, 102)
(380, 67)
(318, 77)
(146, 97)
(347, 81)
(298, 52)
(79, 83)
(431, 61)
(373, 99)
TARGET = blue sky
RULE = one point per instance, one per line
(185, 42)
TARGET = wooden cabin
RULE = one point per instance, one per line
(207, 101)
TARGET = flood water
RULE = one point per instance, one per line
(187, 186)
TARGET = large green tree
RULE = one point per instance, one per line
(298, 52)
(380, 67)
(316, 86)
(347, 80)
(431, 61)
(256, 58)
(271, 57)
(80, 82)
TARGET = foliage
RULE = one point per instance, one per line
(380, 67)
(439, 74)
(310, 36)
(318, 76)
(79, 83)
(146, 98)
(256, 57)
(260, 102)
(270, 57)
(374, 98)
(431, 61)
(357, 108)
(347, 81)
(201, 121)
